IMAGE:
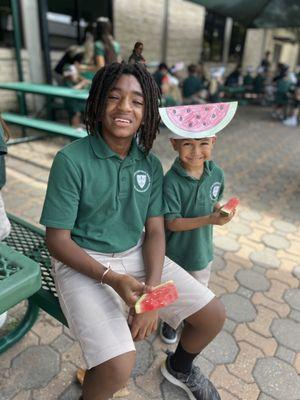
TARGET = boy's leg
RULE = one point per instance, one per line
(203, 275)
(167, 333)
(97, 319)
(102, 381)
(204, 316)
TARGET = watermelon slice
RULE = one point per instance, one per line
(197, 121)
(229, 206)
(161, 296)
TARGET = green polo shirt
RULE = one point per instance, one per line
(187, 197)
(104, 200)
(3, 150)
(191, 85)
(100, 49)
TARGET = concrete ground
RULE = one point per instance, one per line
(256, 275)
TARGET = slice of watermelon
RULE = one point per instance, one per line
(161, 296)
(197, 121)
(229, 206)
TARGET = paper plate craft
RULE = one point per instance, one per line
(197, 121)
(230, 206)
(161, 296)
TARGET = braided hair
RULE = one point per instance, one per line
(104, 80)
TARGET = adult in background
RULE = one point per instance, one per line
(136, 56)
(265, 62)
(107, 49)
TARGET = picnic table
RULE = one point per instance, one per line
(50, 91)
(20, 278)
(46, 90)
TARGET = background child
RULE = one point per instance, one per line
(193, 188)
(73, 79)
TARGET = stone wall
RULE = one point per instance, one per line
(9, 73)
(144, 22)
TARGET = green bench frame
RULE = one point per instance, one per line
(30, 241)
(41, 125)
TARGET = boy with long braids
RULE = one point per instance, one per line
(103, 214)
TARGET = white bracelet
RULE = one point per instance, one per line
(104, 273)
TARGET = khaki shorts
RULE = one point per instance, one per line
(97, 316)
(203, 275)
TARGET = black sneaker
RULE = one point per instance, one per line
(195, 384)
(167, 334)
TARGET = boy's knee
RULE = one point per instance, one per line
(220, 312)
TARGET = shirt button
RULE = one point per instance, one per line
(123, 179)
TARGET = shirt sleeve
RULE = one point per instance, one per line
(63, 194)
(172, 202)
(156, 206)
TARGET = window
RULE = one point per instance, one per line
(213, 37)
(6, 26)
(237, 42)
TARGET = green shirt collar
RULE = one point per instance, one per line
(178, 168)
(102, 150)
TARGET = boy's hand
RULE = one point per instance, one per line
(127, 287)
(216, 218)
(142, 325)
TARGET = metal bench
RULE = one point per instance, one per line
(30, 241)
(41, 125)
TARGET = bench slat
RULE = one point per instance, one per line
(43, 125)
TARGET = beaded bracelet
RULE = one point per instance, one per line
(105, 273)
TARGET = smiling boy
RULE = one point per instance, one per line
(103, 214)
(193, 188)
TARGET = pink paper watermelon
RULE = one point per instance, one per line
(161, 296)
(230, 206)
(197, 121)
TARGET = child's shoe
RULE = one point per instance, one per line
(167, 334)
(195, 384)
(291, 121)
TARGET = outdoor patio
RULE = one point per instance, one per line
(256, 274)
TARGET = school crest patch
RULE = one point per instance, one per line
(214, 190)
(141, 181)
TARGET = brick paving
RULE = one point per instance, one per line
(256, 275)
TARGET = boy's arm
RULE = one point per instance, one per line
(188, 224)
(143, 325)
(154, 249)
(63, 248)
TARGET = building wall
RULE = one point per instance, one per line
(258, 41)
(145, 23)
(9, 73)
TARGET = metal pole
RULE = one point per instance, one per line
(164, 49)
(77, 17)
(18, 44)
(43, 8)
(227, 39)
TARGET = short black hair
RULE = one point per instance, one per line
(104, 80)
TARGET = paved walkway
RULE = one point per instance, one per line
(256, 274)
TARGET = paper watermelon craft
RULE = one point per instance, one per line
(161, 296)
(197, 121)
(230, 206)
